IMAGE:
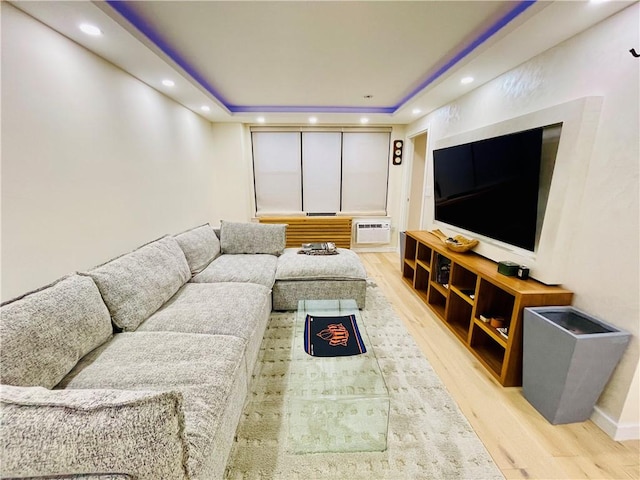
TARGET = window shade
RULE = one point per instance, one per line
(277, 172)
(321, 171)
(365, 167)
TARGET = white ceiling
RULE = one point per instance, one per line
(287, 61)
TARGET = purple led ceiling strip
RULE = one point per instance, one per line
(123, 8)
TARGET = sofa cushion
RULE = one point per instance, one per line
(44, 333)
(252, 268)
(56, 432)
(136, 284)
(252, 238)
(238, 309)
(208, 370)
(344, 266)
(200, 246)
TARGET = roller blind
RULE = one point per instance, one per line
(321, 171)
(365, 168)
(277, 172)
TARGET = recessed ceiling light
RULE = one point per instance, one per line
(466, 80)
(416, 111)
(205, 108)
(313, 119)
(90, 29)
(260, 119)
(364, 120)
(168, 83)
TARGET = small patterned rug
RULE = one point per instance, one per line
(428, 436)
(332, 336)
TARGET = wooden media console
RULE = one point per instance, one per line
(465, 289)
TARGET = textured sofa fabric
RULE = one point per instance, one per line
(317, 277)
(238, 238)
(161, 399)
(252, 268)
(208, 370)
(287, 293)
(47, 432)
(344, 266)
(46, 332)
(200, 246)
(137, 284)
(238, 309)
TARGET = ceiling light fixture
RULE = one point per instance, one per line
(313, 119)
(416, 111)
(364, 120)
(260, 119)
(90, 29)
(168, 83)
(205, 108)
(466, 80)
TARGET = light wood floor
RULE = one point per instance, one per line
(522, 443)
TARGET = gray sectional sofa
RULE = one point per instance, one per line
(140, 367)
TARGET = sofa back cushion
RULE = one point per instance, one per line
(58, 432)
(200, 246)
(252, 238)
(44, 333)
(136, 284)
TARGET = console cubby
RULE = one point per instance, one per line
(490, 352)
(460, 287)
(409, 260)
(421, 281)
(494, 302)
(464, 282)
(423, 255)
(409, 270)
(459, 317)
(441, 269)
(437, 299)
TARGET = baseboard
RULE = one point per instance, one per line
(374, 249)
(619, 432)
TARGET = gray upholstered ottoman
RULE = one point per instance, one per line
(318, 277)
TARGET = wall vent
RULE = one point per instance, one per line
(373, 232)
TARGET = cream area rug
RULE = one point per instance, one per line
(428, 437)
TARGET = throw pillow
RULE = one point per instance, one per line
(136, 284)
(46, 332)
(200, 245)
(237, 238)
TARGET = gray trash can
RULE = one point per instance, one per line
(403, 240)
(568, 357)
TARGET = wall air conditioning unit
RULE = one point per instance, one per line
(378, 231)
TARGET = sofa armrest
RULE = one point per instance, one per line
(92, 432)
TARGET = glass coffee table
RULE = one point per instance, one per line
(335, 404)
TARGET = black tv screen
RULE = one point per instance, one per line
(491, 186)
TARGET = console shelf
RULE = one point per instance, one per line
(461, 287)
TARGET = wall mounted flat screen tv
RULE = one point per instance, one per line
(491, 186)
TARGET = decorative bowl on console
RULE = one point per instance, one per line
(458, 243)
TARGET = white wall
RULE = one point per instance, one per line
(94, 162)
(602, 261)
(233, 183)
